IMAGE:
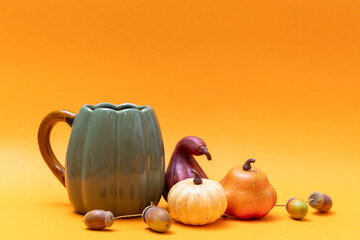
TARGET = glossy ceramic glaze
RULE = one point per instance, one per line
(115, 159)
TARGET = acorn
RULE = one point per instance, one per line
(320, 201)
(297, 208)
(157, 218)
(98, 219)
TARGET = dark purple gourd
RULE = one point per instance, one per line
(182, 162)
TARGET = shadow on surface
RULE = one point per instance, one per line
(101, 230)
(170, 232)
(304, 220)
(226, 222)
(268, 218)
(330, 213)
(221, 223)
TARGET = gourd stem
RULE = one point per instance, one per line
(247, 165)
(197, 179)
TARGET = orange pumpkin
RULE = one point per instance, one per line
(248, 191)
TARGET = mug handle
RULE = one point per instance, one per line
(47, 153)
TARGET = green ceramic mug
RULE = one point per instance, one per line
(115, 157)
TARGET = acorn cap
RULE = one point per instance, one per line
(109, 219)
(320, 201)
(145, 209)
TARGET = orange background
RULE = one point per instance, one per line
(274, 80)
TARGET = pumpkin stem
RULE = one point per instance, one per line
(247, 165)
(197, 178)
